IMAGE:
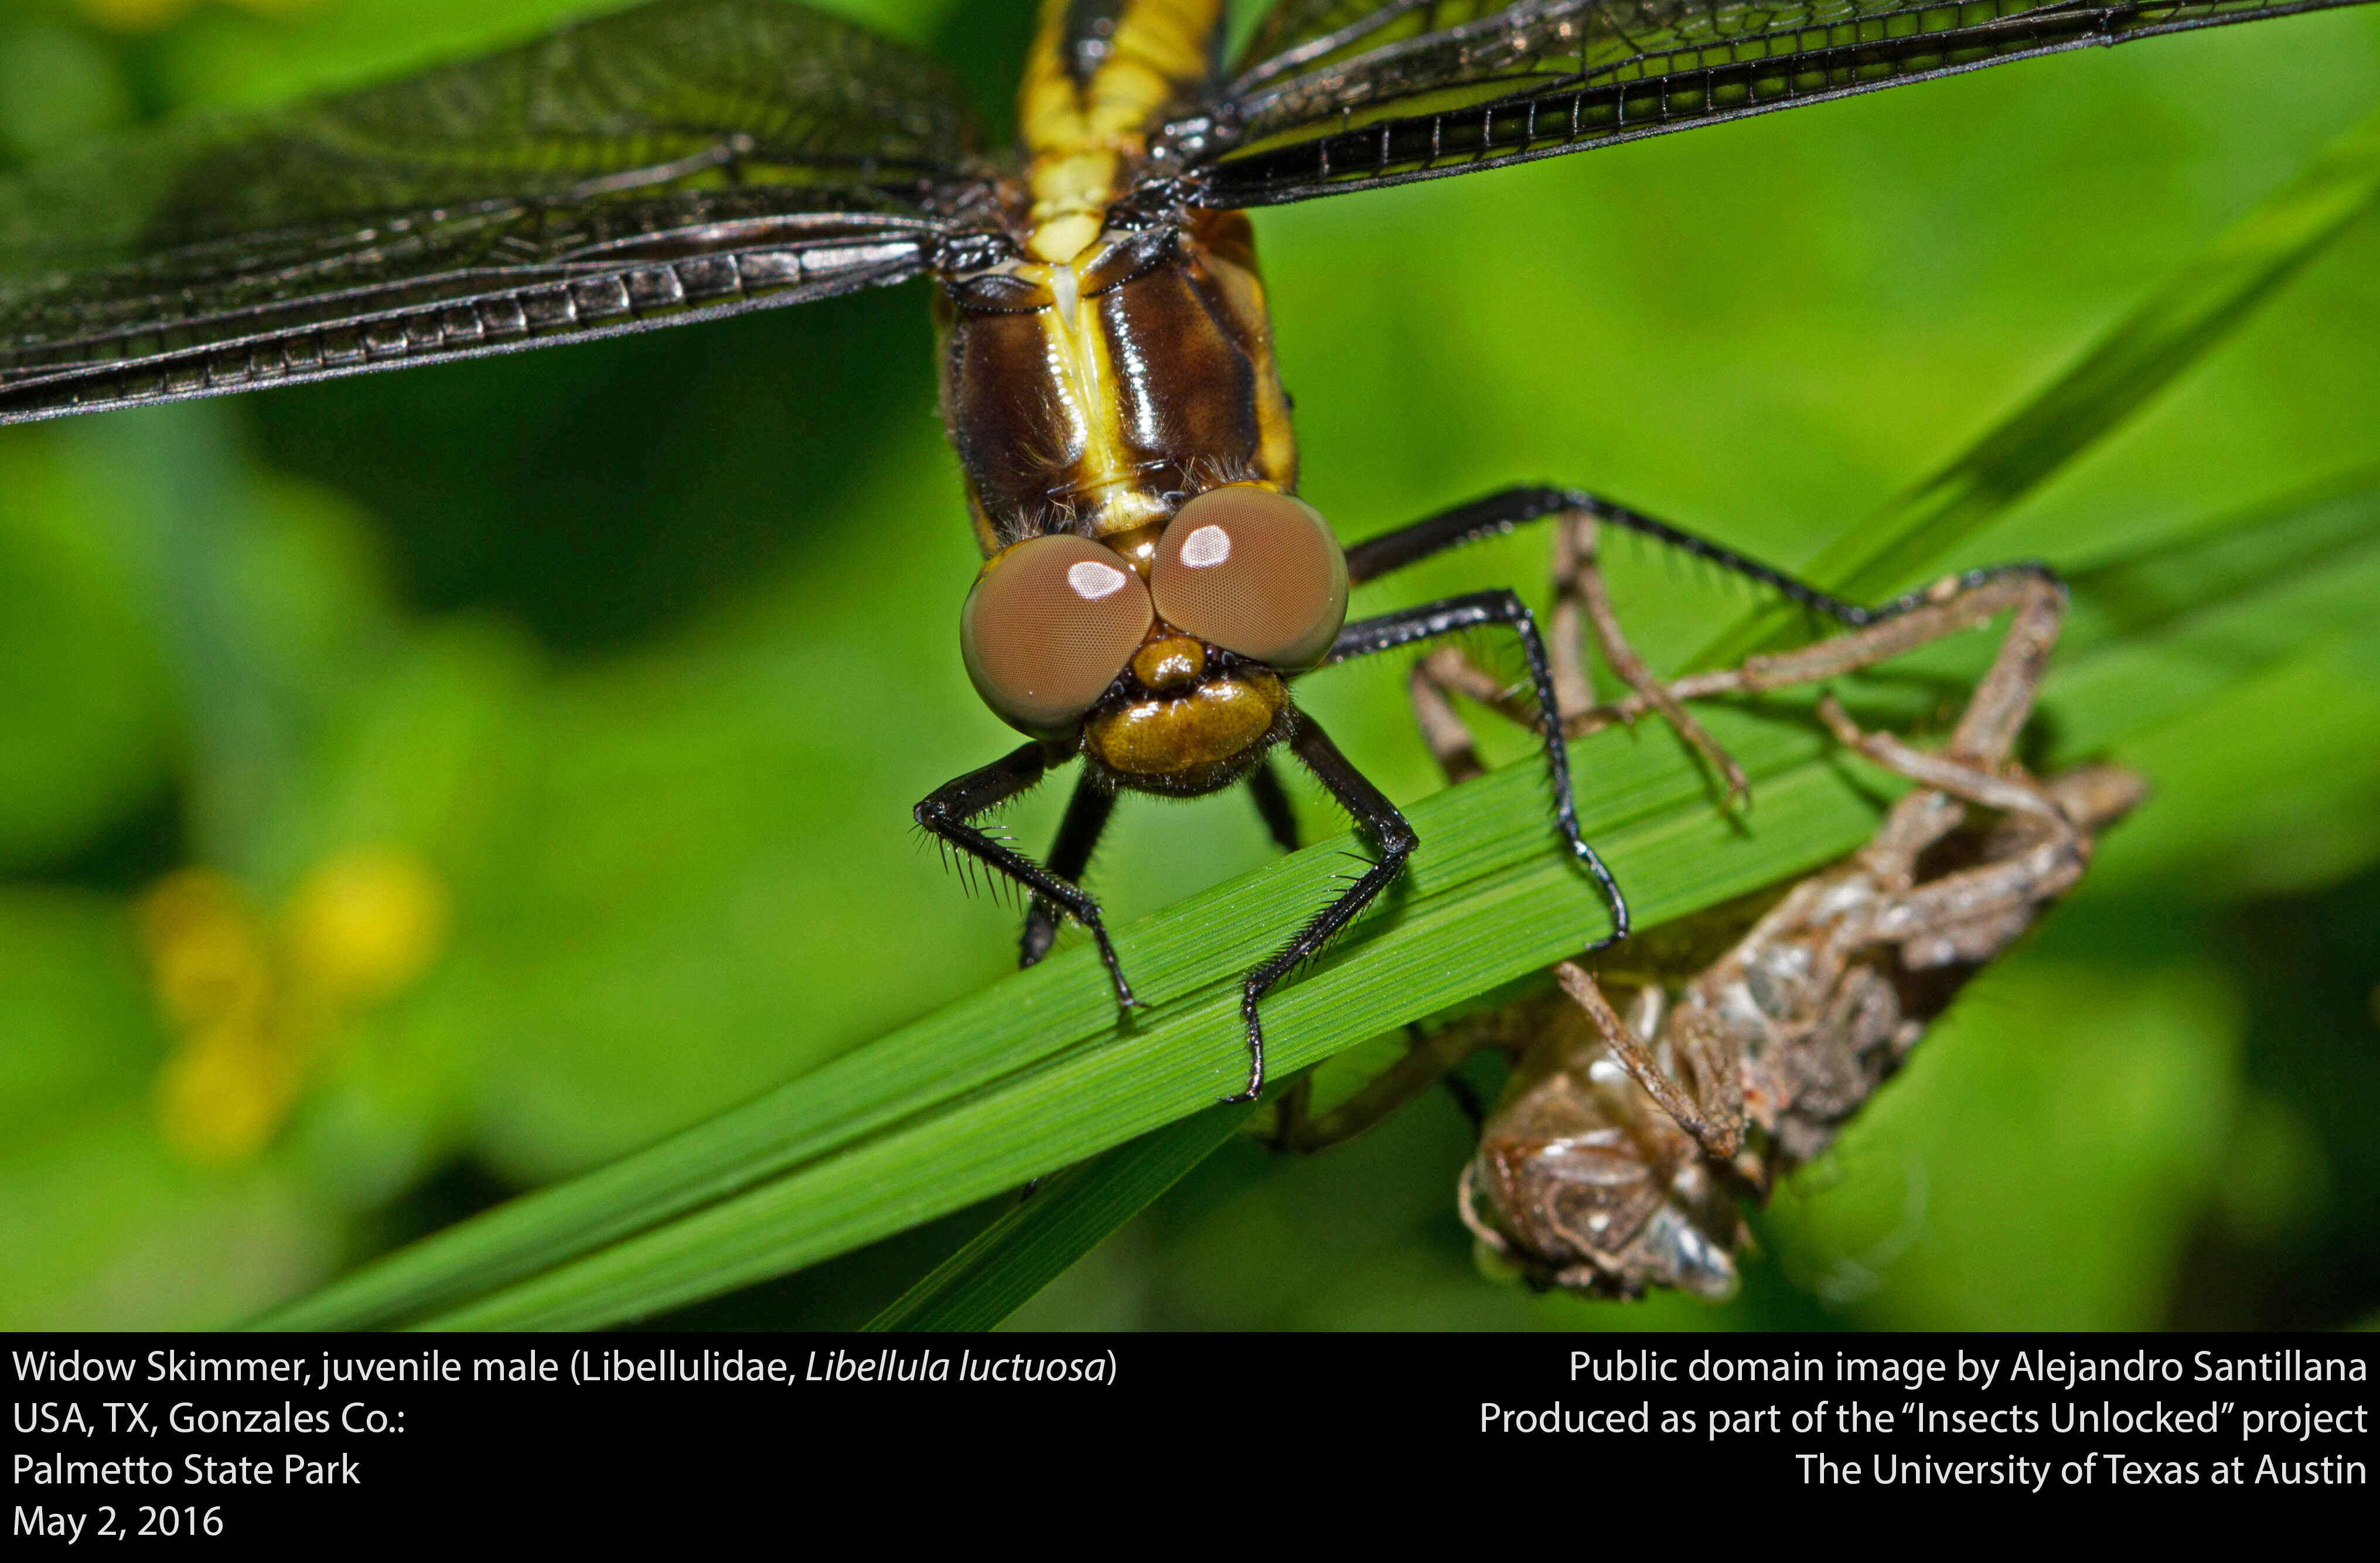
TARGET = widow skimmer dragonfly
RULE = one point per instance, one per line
(1150, 580)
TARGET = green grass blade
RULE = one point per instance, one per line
(1001, 1268)
(2196, 308)
(1443, 944)
(2148, 592)
(2156, 637)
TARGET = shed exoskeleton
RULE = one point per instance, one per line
(1656, 1088)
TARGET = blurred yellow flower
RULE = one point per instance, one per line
(364, 925)
(255, 1008)
(223, 1094)
(206, 951)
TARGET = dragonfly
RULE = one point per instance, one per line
(1152, 585)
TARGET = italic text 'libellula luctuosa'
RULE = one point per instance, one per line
(1151, 582)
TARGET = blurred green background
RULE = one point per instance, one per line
(420, 788)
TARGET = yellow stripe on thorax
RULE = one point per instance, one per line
(1078, 352)
(1081, 140)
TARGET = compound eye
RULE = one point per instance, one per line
(1253, 572)
(1049, 626)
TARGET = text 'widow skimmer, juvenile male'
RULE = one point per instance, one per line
(1151, 582)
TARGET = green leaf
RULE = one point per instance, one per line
(2267, 790)
(2156, 636)
(1000, 1267)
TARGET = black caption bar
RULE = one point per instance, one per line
(176, 1440)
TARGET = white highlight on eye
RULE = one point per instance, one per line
(1206, 547)
(1093, 580)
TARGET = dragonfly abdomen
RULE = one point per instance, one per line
(1101, 75)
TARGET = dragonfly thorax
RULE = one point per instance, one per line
(1096, 396)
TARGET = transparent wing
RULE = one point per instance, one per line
(685, 159)
(1296, 35)
(1341, 95)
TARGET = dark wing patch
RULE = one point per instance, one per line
(1339, 95)
(685, 159)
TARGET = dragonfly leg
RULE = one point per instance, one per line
(1582, 603)
(1273, 807)
(1476, 611)
(1507, 509)
(1581, 599)
(1078, 837)
(945, 812)
(1377, 819)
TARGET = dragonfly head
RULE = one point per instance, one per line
(1160, 652)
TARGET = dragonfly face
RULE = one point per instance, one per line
(1152, 585)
